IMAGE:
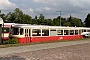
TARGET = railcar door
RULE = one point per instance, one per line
(27, 35)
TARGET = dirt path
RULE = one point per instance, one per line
(73, 50)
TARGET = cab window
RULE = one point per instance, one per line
(5, 30)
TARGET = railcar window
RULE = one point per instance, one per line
(66, 32)
(71, 32)
(80, 31)
(76, 32)
(45, 32)
(88, 30)
(26, 32)
(15, 31)
(59, 32)
(5, 30)
(21, 31)
(29, 32)
(53, 32)
(83, 30)
(36, 32)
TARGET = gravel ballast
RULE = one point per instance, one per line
(71, 50)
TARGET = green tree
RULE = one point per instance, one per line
(74, 21)
(63, 21)
(41, 19)
(3, 16)
(36, 17)
(15, 16)
(49, 22)
(19, 17)
(56, 22)
(0, 11)
(87, 21)
(69, 19)
(67, 24)
(35, 20)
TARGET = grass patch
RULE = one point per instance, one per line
(32, 43)
(11, 41)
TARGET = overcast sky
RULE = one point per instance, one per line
(75, 8)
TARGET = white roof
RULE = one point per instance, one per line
(47, 27)
(9, 23)
(1, 21)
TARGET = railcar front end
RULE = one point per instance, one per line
(6, 30)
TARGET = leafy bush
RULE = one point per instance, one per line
(11, 41)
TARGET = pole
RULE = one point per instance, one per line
(60, 16)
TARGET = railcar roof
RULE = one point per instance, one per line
(8, 23)
(46, 27)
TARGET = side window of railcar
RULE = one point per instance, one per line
(21, 31)
(88, 30)
(83, 30)
(45, 32)
(71, 32)
(76, 32)
(80, 31)
(53, 32)
(66, 32)
(59, 32)
(29, 32)
(36, 32)
(15, 31)
(26, 32)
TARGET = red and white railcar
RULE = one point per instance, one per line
(40, 33)
(6, 30)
